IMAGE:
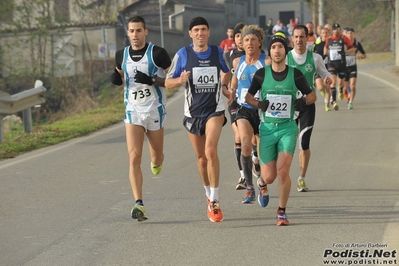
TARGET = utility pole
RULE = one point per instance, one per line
(321, 14)
(160, 21)
(396, 32)
(314, 12)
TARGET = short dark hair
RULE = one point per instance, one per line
(301, 27)
(137, 19)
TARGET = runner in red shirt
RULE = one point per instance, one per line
(228, 44)
(335, 50)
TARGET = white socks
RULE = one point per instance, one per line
(207, 192)
(214, 194)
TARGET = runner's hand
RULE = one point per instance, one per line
(299, 103)
(262, 105)
(116, 78)
(143, 78)
(328, 81)
(184, 76)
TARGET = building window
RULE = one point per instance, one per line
(61, 10)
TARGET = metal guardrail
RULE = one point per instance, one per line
(22, 101)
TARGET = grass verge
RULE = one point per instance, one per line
(16, 141)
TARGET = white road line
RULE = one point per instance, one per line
(380, 80)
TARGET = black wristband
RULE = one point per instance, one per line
(225, 85)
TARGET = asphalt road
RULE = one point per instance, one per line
(70, 204)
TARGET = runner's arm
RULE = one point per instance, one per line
(361, 50)
(325, 50)
(320, 66)
(303, 86)
(350, 49)
(234, 80)
(177, 75)
(256, 85)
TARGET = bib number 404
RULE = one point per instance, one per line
(206, 79)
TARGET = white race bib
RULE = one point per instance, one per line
(205, 76)
(335, 55)
(142, 94)
(279, 106)
(350, 60)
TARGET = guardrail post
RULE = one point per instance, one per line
(27, 117)
(22, 101)
(1, 128)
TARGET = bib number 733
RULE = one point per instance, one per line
(142, 95)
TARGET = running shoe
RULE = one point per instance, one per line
(323, 92)
(350, 106)
(327, 107)
(214, 212)
(301, 186)
(241, 184)
(249, 196)
(256, 169)
(335, 106)
(282, 218)
(340, 95)
(263, 197)
(156, 170)
(139, 213)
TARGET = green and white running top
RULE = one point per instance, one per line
(308, 67)
(281, 96)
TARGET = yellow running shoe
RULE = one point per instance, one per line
(139, 213)
(156, 170)
(327, 107)
(340, 95)
(335, 106)
(301, 186)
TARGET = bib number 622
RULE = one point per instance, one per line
(278, 106)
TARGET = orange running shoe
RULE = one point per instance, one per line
(282, 218)
(346, 95)
(214, 212)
